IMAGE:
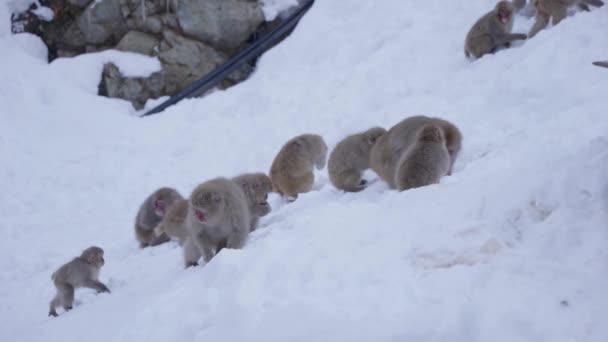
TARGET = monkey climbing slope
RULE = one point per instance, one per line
(511, 247)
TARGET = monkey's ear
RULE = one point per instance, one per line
(371, 139)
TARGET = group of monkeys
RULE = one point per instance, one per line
(221, 212)
(493, 30)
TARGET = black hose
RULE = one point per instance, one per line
(221, 72)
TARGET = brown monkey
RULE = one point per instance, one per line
(292, 169)
(389, 148)
(350, 157)
(601, 64)
(218, 217)
(425, 161)
(82, 271)
(172, 223)
(558, 10)
(256, 187)
(492, 31)
(151, 213)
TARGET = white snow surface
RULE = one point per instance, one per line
(273, 8)
(512, 247)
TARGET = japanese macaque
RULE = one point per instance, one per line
(172, 223)
(425, 161)
(557, 10)
(350, 158)
(218, 216)
(491, 31)
(389, 149)
(151, 213)
(256, 187)
(292, 169)
(82, 271)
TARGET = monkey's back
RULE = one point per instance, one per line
(292, 169)
(77, 271)
(423, 163)
(236, 215)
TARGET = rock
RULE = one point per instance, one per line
(102, 22)
(114, 84)
(186, 60)
(139, 42)
(224, 24)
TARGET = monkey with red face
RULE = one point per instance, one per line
(150, 213)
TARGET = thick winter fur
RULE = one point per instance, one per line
(491, 31)
(557, 10)
(256, 187)
(151, 213)
(218, 216)
(292, 169)
(350, 158)
(389, 148)
(82, 271)
(172, 223)
(425, 161)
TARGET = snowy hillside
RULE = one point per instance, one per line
(512, 247)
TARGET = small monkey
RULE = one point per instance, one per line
(492, 31)
(82, 271)
(601, 64)
(558, 10)
(389, 148)
(292, 169)
(151, 213)
(256, 187)
(350, 158)
(217, 217)
(425, 161)
(172, 223)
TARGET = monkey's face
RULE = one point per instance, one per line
(159, 207)
(262, 206)
(504, 14)
(94, 256)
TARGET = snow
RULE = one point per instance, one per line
(511, 247)
(273, 8)
(44, 13)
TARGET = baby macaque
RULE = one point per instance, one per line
(492, 31)
(172, 223)
(218, 217)
(350, 158)
(292, 169)
(82, 271)
(150, 214)
(256, 187)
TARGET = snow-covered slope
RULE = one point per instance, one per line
(512, 247)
